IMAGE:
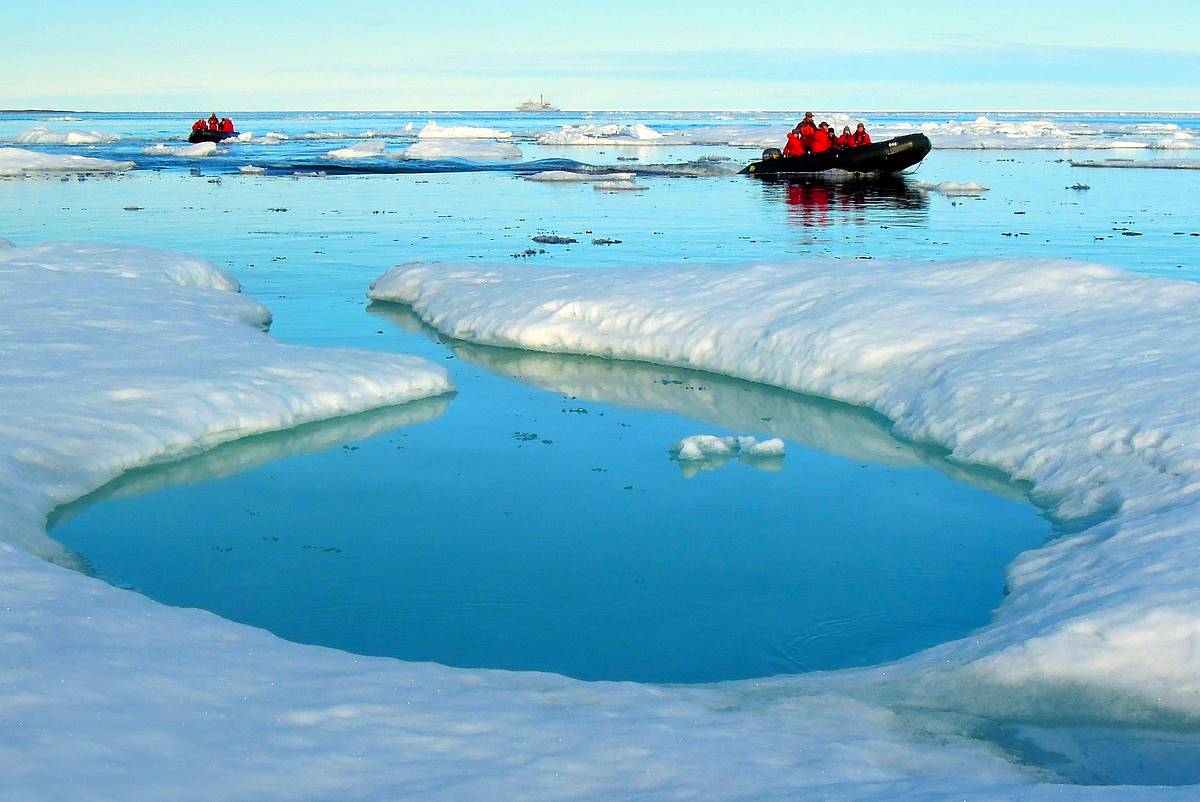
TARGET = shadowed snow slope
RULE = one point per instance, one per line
(19, 161)
(1074, 377)
(113, 358)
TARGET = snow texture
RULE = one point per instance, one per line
(709, 446)
(18, 161)
(607, 134)
(618, 186)
(471, 149)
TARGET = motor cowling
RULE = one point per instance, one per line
(772, 153)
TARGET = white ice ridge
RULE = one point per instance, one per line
(200, 150)
(472, 149)
(1077, 378)
(44, 136)
(606, 134)
(18, 161)
(569, 177)
(432, 130)
(1140, 164)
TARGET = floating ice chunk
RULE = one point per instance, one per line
(567, 176)
(43, 136)
(607, 134)
(471, 149)
(359, 150)
(434, 131)
(619, 186)
(18, 161)
(711, 446)
(250, 169)
(200, 150)
(954, 188)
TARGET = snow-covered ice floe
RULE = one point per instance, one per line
(200, 150)
(18, 161)
(707, 446)
(366, 149)
(472, 149)
(1076, 378)
(1140, 164)
(250, 169)
(43, 136)
(619, 186)
(571, 177)
(432, 130)
(607, 134)
(954, 188)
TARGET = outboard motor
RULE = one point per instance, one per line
(772, 153)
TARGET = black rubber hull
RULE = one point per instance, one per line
(209, 136)
(891, 156)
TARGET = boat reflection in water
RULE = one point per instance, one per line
(817, 201)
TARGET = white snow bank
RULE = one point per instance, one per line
(250, 169)
(200, 150)
(432, 130)
(954, 188)
(359, 150)
(1141, 164)
(18, 161)
(710, 446)
(567, 177)
(471, 149)
(43, 136)
(1074, 377)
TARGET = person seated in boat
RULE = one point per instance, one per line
(214, 124)
(795, 144)
(861, 137)
(846, 140)
(807, 128)
(199, 125)
(227, 126)
(822, 141)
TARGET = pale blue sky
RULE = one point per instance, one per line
(368, 55)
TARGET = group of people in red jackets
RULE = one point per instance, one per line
(223, 125)
(808, 137)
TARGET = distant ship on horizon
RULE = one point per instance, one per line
(537, 105)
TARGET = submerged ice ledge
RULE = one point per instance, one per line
(1074, 377)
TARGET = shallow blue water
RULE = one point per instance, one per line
(452, 531)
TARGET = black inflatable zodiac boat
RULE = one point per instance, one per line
(891, 156)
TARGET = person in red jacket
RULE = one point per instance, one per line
(227, 126)
(213, 123)
(821, 140)
(199, 125)
(861, 137)
(846, 140)
(795, 145)
(806, 129)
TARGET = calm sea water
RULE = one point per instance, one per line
(535, 520)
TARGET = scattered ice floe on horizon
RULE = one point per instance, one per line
(250, 169)
(1139, 164)
(366, 149)
(44, 136)
(954, 188)
(200, 150)
(470, 149)
(619, 186)
(432, 130)
(19, 161)
(606, 134)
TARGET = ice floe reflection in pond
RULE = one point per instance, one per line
(538, 523)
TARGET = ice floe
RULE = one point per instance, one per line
(366, 149)
(708, 446)
(200, 150)
(1074, 377)
(619, 186)
(606, 134)
(250, 169)
(1140, 164)
(571, 177)
(472, 149)
(43, 136)
(954, 188)
(19, 161)
(432, 130)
